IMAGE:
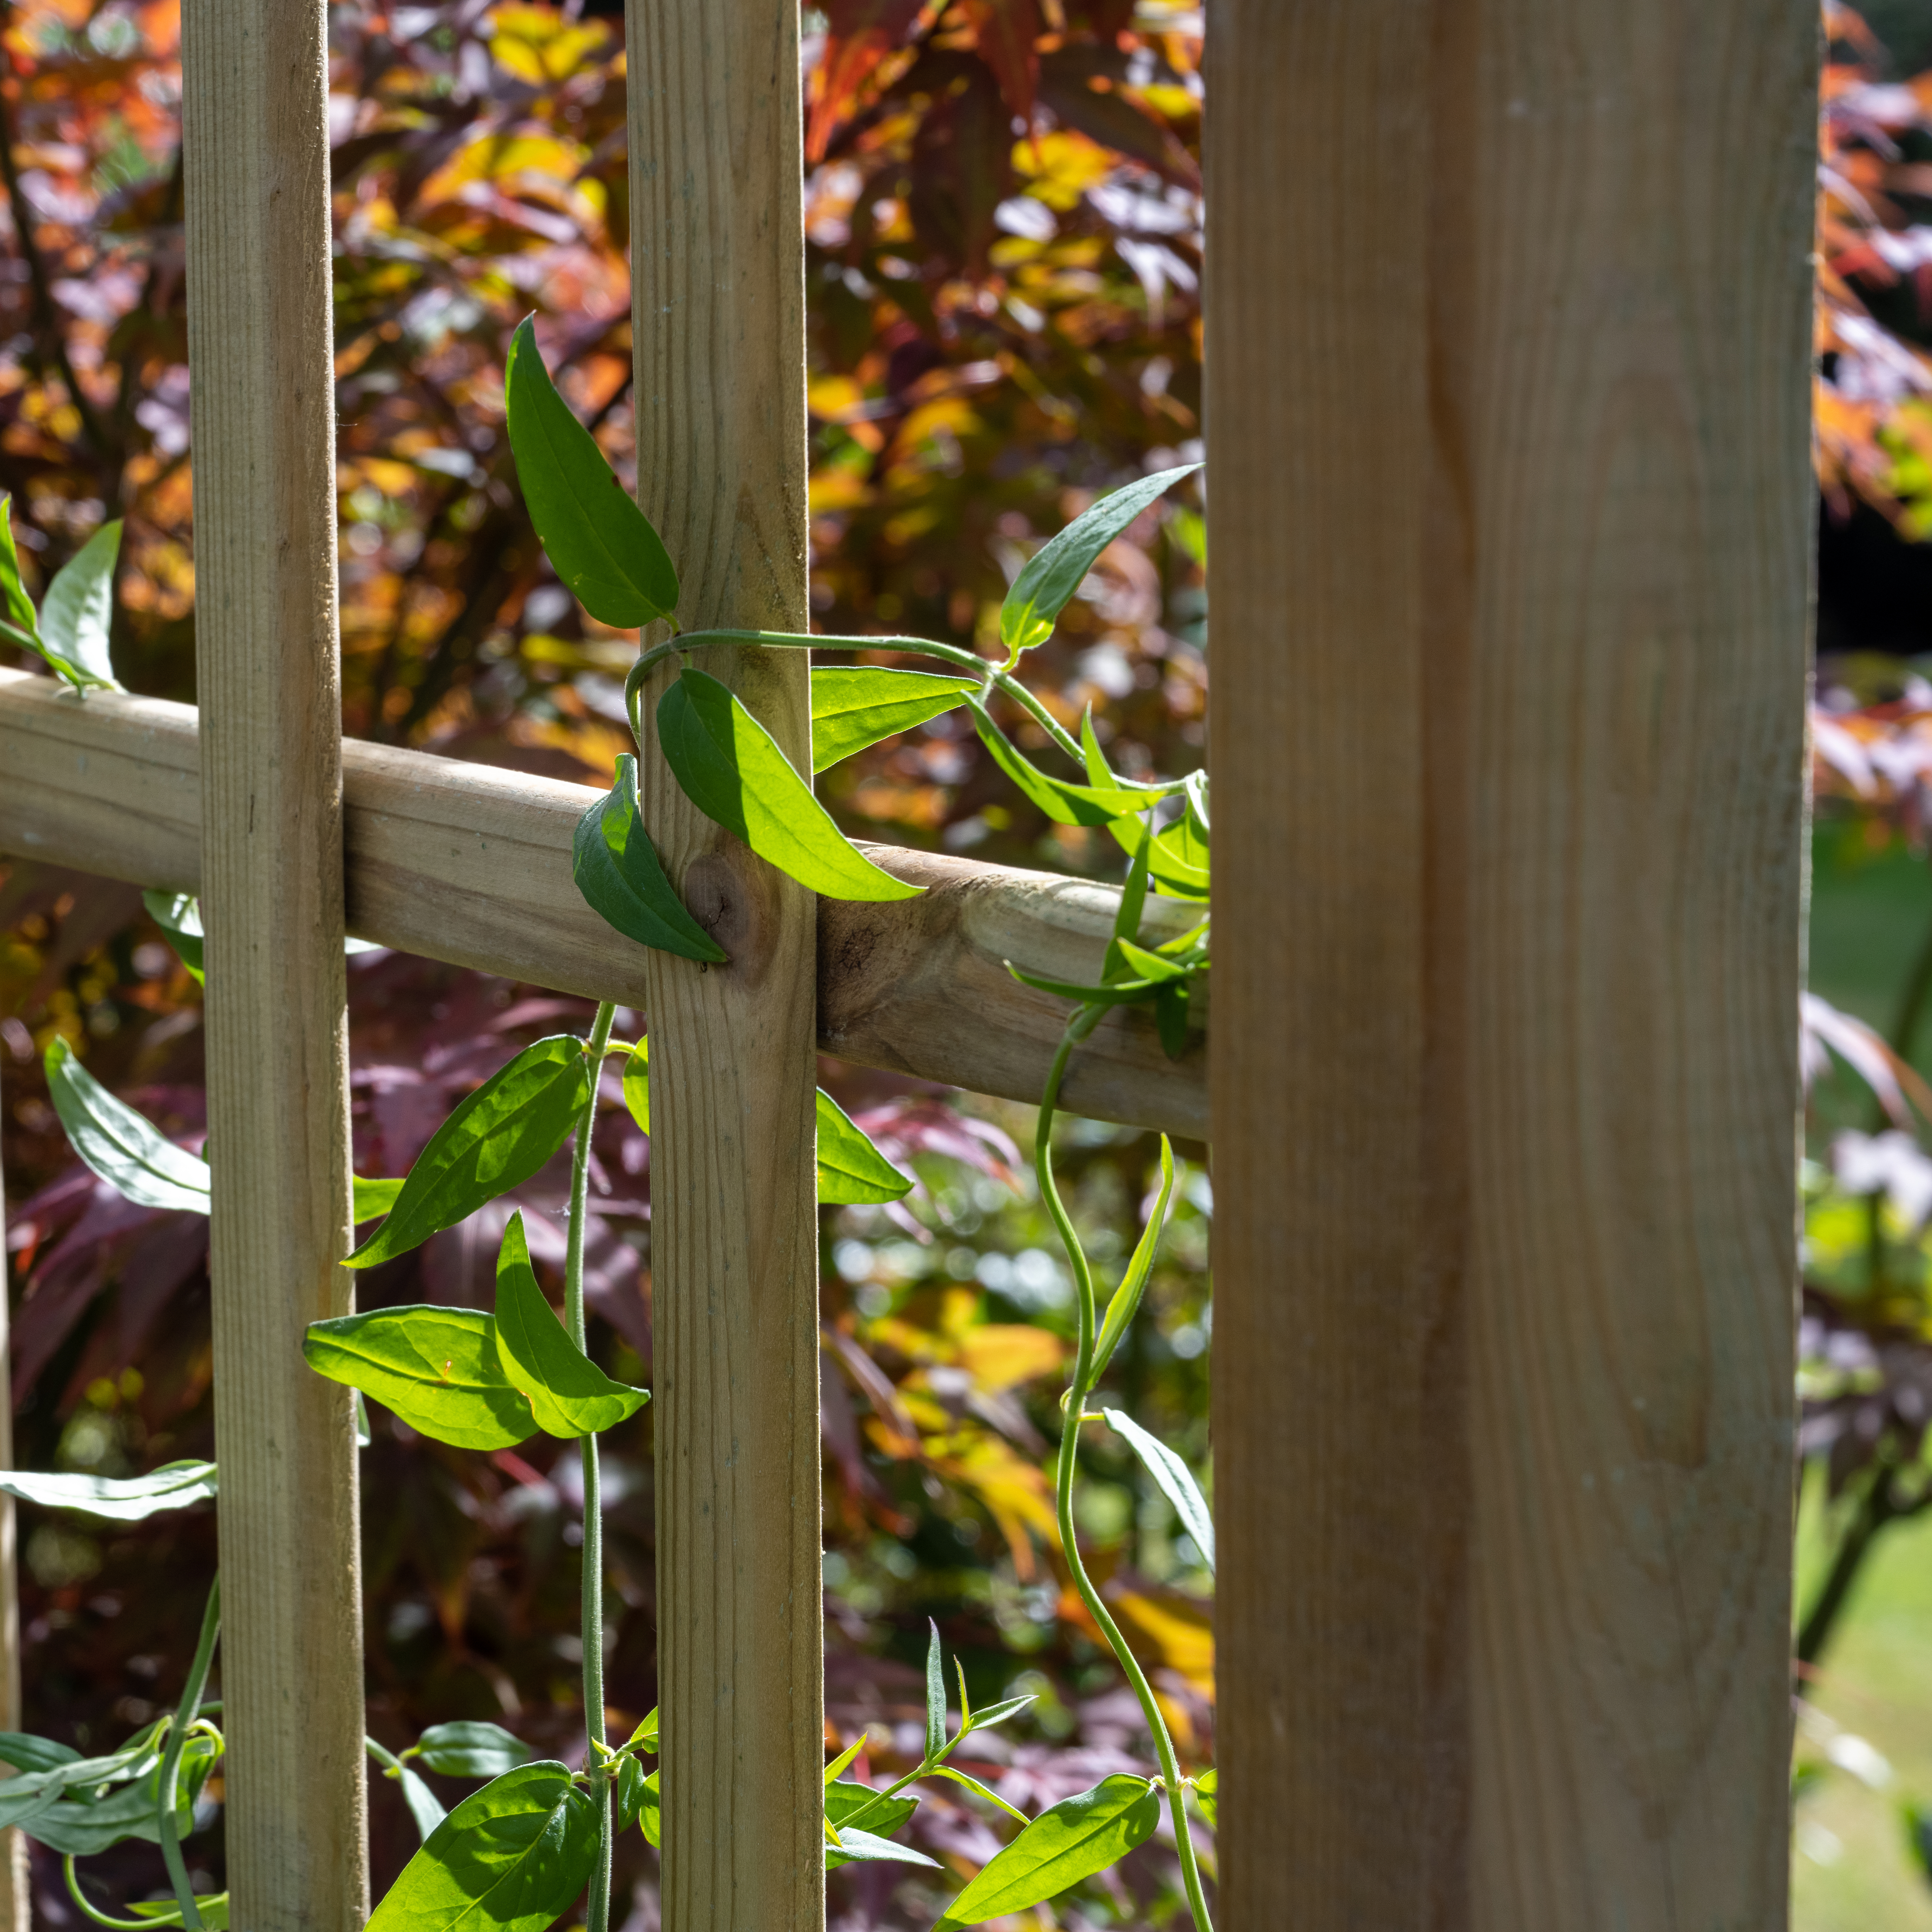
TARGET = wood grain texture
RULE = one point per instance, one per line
(255, 127)
(472, 864)
(1507, 355)
(16, 1892)
(718, 317)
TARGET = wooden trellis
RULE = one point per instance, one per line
(1507, 368)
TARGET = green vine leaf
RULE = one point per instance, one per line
(471, 1749)
(76, 614)
(124, 1148)
(1126, 1297)
(846, 1798)
(602, 545)
(853, 706)
(568, 1393)
(15, 604)
(637, 1085)
(1063, 801)
(1072, 1841)
(510, 1857)
(494, 1140)
(1207, 1796)
(850, 1168)
(115, 1499)
(373, 1197)
(436, 1368)
(731, 768)
(616, 869)
(1175, 1479)
(178, 915)
(1057, 568)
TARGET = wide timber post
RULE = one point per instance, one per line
(718, 310)
(260, 350)
(1507, 352)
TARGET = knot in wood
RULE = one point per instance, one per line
(738, 900)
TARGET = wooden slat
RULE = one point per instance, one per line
(256, 135)
(472, 864)
(16, 1892)
(1506, 358)
(718, 317)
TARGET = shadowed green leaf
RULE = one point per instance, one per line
(78, 609)
(853, 706)
(117, 1499)
(629, 1795)
(568, 1393)
(436, 1367)
(602, 546)
(83, 1828)
(1176, 1480)
(178, 915)
(1057, 568)
(850, 1169)
(124, 1148)
(511, 1857)
(1073, 1840)
(494, 1142)
(425, 1807)
(856, 1846)
(472, 1749)
(616, 867)
(731, 768)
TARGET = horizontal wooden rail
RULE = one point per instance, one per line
(471, 864)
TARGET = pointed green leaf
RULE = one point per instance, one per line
(845, 1797)
(425, 1807)
(81, 1828)
(1057, 568)
(24, 1752)
(494, 1142)
(1073, 1840)
(568, 1393)
(965, 1702)
(1171, 1006)
(645, 1737)
(1127, 918)
(179, 917)
(629, 1795)
(866, 1848)
(850, 1167)
(1179, 861)
(471, 1749)
(844, 1757)
(979, 1790)
(16, 606)
(211, 1907)
(117, 1499)
(998, 1714)
(510, 1858)
(78, 609)
(601, 545)
(935, 1697)
(649, 1811)
(124, 1148)
(1109, 993)
(1064, 803)
(374, 1197)
(853, 706)
(1126, 1298)
(637, 1085)
(616, 867)
(436, 1368)
(731, 768)
(1207, 1797)
(1176, 1480)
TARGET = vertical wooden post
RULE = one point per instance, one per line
(260, 356)
(1507, 357)
(717, 253)
(16, 1894)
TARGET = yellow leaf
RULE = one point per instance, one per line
(1002, 1354)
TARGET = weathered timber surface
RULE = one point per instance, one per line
(718, 320)
(256, 155)
(472, 864)
(1508, 364)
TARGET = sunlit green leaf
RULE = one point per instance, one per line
(846, 1798)
(568, 1393)
(124, 1148)
(935, 1696)
(16, 606)
(629, 1795)
(649, 1818)
(375, 1197)
(471, 1749)
(972, 1784)
(1179, 861)
(1073, 1840)
(178, 915)
(1057, 568)
(1126, 1297)
(1207, 1795)
(998, 1714)
(1176, 1480)
(1064, 802)
(616, 867)
(853, 706)
(850, 1169)
(856, 1846)
(494, 1142)
(731, 768)
(117, 1499)
(645, 1737)
(601, 544)
(78, 610)
(436, 1368)
(637, 1085)
(511, 1857)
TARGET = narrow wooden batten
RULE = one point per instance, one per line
(718, 317)
(255, 147)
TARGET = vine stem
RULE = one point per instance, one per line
(597, 1918)
(185, 1714)
(1082, 1024)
